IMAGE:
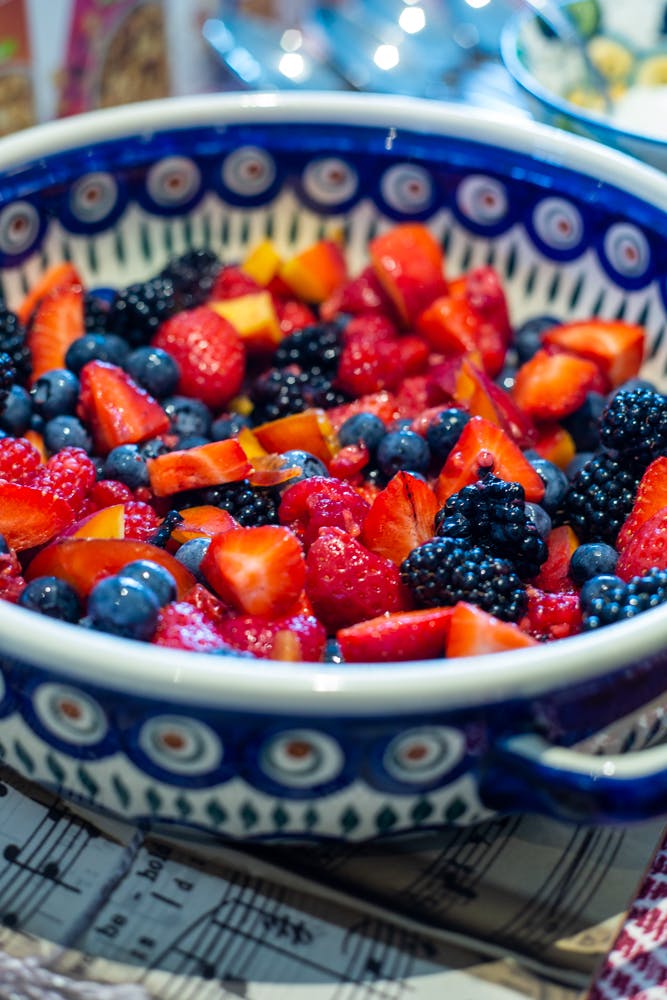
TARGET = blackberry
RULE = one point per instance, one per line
(13, 343)
(315, 348)
(7, 377)
(499, 522)
(600, 497)
(281, 391)
(635, 423)
(192, 276)
(95, 313)
(444, 571)
(137, 311)
(249, 506)
(617, 601)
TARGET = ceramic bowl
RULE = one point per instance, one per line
(239, 748)
(628, 42)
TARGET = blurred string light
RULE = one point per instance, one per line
(386, 57)
(412, 19)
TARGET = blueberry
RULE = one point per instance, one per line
(364, 428)
(540, 518)
(584, 424)
(124, 607)
(188, 416)
(444, 432)
(403, 451)
(555, 482)
(191, 553)
(55, 393)
(592, 559)
(228, 426)
(528, 336)
(153, 447)
(66, 432)
(156, 577)
(309, 464)
(126, 464)
(154, 369)
(17, 411)
(96, 347)
(53, 597)
(597, 586)
(192, 441)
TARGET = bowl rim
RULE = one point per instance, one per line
(509, 43)
(327, 689)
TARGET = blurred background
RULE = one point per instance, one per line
(69, 56)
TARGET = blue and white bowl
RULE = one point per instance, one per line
(628, 42)
(236, 748)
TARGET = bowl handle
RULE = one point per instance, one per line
(527, 773)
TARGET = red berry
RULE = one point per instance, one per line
(141, 521)
(69, 474)
(320, 502)
(209, 353)
(231, 283)
(18, 460)
(183, 626)
(108, 492)
(261, 636)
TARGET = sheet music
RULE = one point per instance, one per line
(96, 902)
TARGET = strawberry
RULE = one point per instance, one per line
(551, 386)
(19, 460)
(29, 517)
(349, 462)
(57, 323)
(554, 572)
(452, 326)
(646, 548)
(194, 468)
(319, 502)
(348, 583)
(405, 635)
(409, 265)
(401, 518)
(83, 561)
(484, 447)
(55, 278)
(263, 636)
(370, 329)
(483, 290)
(616, 347)
(231, 282)
(258, 570)
(115, 409)
(209, 353)
(360, 296)
(107, 492)
(551, 616)
(369, 365)
(293, 315)
(650, 498)
(474, 632)
(183, 626)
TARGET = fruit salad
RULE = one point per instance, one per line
(283, 459)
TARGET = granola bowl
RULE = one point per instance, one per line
(283, 748)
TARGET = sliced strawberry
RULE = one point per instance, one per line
(483, 289)
(409, 264)
(209, 352)
(57, 323)
(650, 498)
(484, 447)
(232, 281)
(405, 635)
(319, 502)
(293, 315)
(555, 444)
(401, 518)
(259, 570)
(181, 625)
(551, 386)
(29, 517)
(473, 632)
(55, 278)
(264, 637)
(82, 561)
(348, 583)
(616, 347)
(554, 573)
(360, 296)
(115, 409)
(551, 616)
(647, 548)
(349, 462)
(453, 327)
(198, 467)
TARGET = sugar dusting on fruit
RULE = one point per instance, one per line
(371, 466)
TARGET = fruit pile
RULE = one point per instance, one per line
(281, 459)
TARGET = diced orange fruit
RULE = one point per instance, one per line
(254, 318)
(616, 347)
(314, 273)
(195, 468)
(202, 522)
(262, 263)
(106, 523)
(409, 264)
(306, 431)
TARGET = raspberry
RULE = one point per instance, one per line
(69, 475)
(141, 521)
(231, 283)
(12, 583)
(108, 492)
(260, 636)
(183, 626)
(19, 460)
(209, 353)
